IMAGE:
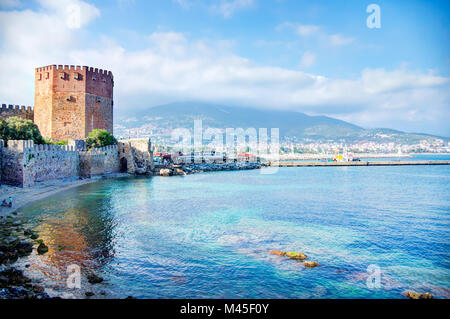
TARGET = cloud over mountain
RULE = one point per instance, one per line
(175, 66)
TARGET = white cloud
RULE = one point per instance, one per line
(308, 59)
(228, 7)
(317, 32)
(76, 13)
(338, 40)
(307, 30)
(184, 3)
(173, 67)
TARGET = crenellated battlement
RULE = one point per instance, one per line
(6, 107)
(22, 111)
(105, 149)
(67, 68)
(29, 146)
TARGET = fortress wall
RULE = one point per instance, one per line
(141, 152)
(100, 161)
(91, 164)
(68, 115)
(47, 162)
(24, 112)
(1, 156)
(12, 163)
(98, 113)
(71, 101)
(24, 163)
(112, 162)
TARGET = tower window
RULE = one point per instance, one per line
(62, 75)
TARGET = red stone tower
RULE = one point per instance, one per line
(69, 102)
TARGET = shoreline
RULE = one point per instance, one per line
(27, 195)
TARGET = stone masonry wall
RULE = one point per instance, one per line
(99, 161)
(47, 162)
(24, 163)
(71, 101)
(141, 154)
(12, 162)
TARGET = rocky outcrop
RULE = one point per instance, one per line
(277, 252)
(416, 295)
(165, 172)
(94, 279)
(15, 243)
(310, 264)
(296, 256)
(42, 248)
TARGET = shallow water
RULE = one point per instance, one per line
(209, 235)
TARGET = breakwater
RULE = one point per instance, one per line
(185, 169)
(361, 163)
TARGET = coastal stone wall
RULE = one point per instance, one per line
(12, 163)
(23, 164)
(47, 162)
(99, 161)
(1, 157)
(136, 155)
(24, 112)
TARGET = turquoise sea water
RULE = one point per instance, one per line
(209, 235)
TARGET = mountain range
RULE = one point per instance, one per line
(293, 126)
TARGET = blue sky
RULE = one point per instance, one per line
(317, 57)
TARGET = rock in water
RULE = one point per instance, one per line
(277, 252)
(311, 264)
(38, 289)
(10, 240)
(416, 295)
(94, 279)
(165, 172)
(42, 249)
(296, 256)
(24, 248)
(89, 293)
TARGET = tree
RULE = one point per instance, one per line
(99, 138)
(16, 128)
(3, 129)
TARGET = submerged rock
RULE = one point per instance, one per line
(416, 295)
(311, 264)
(89, 293)
(94, 279)
(42, 249)
(277, 252)
(296, 256)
